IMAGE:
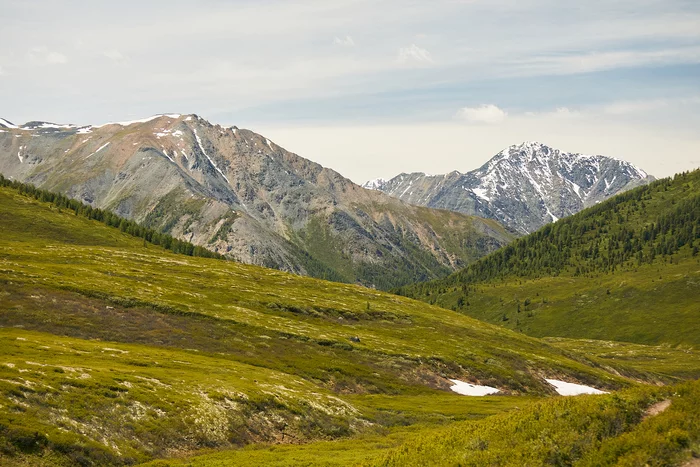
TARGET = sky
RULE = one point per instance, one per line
(373, 88)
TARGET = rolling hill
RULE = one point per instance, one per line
(627, 269)
(116, 350)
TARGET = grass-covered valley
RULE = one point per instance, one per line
(117, 351)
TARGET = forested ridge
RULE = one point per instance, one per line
(109, 218)
(640, 226)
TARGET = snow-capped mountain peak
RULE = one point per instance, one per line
(375, 184)
(524, 186)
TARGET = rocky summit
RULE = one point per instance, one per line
(238, 193)
(524, 186)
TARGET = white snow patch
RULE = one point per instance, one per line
(481, 193)
(165, 151)
(178, 133)
(99, 149)
(7, 124)
(199, 143)
(85, 130)
(572, 389)
(269, 143)
(467, 389)
(53, 125)
(142, 120)
(576, 187)
(374, 184)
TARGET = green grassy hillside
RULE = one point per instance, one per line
(584, 431)
(627, 269)
(116, 351)
(604, 430)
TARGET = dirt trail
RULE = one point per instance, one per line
(657, 408)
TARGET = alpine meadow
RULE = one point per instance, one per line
(347, 233)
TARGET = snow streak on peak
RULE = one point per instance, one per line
(34, 125)
(375, 184)
(142, 120)
(7, 124)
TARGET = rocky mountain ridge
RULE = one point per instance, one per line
(524, 186)
(237, 193)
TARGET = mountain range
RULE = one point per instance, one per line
(523, 187)
(237, 193)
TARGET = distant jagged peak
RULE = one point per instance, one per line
(535, 151)
(7, 124)
(375, 184)
(146, 120)
(34, 125)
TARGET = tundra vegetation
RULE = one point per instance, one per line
(117, 351)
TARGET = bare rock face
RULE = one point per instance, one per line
(237, 193)
(523, 187)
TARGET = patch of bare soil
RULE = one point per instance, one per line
(657, 408)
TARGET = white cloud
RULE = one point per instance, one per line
(56, 58)
(650, 105)
(2, 72)
(44, 55)
(114, 55)
(345, 41)
(414, 54)
(487, 113)
(598, 61)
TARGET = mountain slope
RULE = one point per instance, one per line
(239, 194)
(186, 353)
(627, 269)
(524, 186)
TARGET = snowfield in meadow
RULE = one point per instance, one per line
(571, 389)
(467, 389)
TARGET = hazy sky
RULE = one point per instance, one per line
(373, 88)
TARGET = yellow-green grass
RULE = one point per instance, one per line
(345, 452)
(121, 352)
(664, 363)
(651, 304)
(599, 430)
(132, 401)
(366, 447)
(423, 342)
(616, 429)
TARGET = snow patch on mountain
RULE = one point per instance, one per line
(375, 184)
(8, 124)
(142, 120)
(201, 148)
